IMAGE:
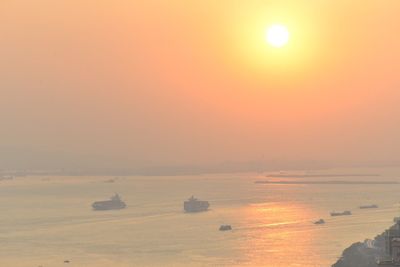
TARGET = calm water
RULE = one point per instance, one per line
(46, 220)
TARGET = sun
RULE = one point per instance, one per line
(277, 35)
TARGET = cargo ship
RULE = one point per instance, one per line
(346, 212)
(369, 206)
(195, 205)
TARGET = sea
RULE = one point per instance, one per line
(47, 221)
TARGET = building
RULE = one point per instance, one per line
(392, 246)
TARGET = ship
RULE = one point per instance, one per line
(195, 205)
(369, 206)
(346, 212)
(115, 203)
(320, 221)
(6, 177)
(225, 227)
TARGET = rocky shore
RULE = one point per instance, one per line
(363, 254)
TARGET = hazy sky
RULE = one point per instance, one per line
(138, 83)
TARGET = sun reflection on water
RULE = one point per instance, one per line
(278, 234)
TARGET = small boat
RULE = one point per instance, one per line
(373, 206)
(320, 221)
(225, 227)
(344, 213)
(115, 203)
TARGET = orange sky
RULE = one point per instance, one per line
(137, 83)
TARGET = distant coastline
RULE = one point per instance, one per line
(322, 175)
(326, 182)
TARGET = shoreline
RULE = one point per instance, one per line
(364, 254)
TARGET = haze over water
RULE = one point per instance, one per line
(46, 220)
(143, 84)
